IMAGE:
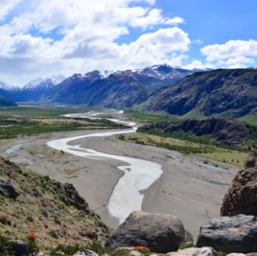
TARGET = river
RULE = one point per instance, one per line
(138, 174)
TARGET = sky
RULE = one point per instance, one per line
(42, 38)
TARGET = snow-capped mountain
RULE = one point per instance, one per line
(118, 89)
(5, 86)
(44, 82)
(162, 72)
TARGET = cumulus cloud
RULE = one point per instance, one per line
(230, 49)
(68, 36)
(197, 64)
(234, 53)
(6, 6)
(175, 21)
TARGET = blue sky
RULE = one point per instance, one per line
(42, 38)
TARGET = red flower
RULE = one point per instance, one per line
(141, 248)
(31, 236)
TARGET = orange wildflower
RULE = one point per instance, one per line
(31, 236)
(141, 248)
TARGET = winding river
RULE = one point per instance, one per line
(138, 174)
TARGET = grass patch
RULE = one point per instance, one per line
(28, 121)
(249, 119)
(149, 117)
(213, 152)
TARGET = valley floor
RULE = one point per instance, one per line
(187, 189)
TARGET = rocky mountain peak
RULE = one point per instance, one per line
(5, 86)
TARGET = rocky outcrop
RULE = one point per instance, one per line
(159, 232)
(230, 234)
(8, 189)
(204, 251)
(241, 197)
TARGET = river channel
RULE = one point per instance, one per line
(138, 175)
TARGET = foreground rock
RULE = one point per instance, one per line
(241, 197)
(230, 234)
(7, 189)
(204, 251)
(160, 233)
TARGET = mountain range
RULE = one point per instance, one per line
(159, 88)
(120, 89)
(223, 92)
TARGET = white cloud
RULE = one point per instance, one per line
(175, 21)
(196, 64)
(232, 54)
(68, 36)
(237, 62)
(6, 6)
(231, 49)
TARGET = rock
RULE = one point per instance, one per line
(230, 234)
(134, 253)
(236, 254)
(85, 252)
(204, 251)
(241, 197)
(159, 232)
(7, 189)
(20, 248)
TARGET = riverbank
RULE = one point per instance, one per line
(186, 189)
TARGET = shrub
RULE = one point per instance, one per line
(63, 250)
(5, 246)
(32, 247)
(30, 219)
(97, 247)
(187, 245)
(5, 220)
(53, 233)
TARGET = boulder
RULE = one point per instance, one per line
(236, 254)
(204, 251)
(161, 233)
(7, 189)
(85, 252)
(230, 234)
(20, 248)
(241, 197)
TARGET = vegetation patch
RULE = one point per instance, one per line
(16, 121)
(226, 155)
(46, 213)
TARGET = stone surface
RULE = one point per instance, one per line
(241, 197)
(230, 234)
(160, 233)
(85, 252)
(7, 189)
(236, 254)
(134, 253)
(20, 248)
(204, 251)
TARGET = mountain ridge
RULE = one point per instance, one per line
(222, 92)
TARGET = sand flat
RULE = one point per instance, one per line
(187, 190)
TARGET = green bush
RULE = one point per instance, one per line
(6, 248)
(65, 250)
(187, 245)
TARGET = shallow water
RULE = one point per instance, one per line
(138, 174)
(13, 149)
